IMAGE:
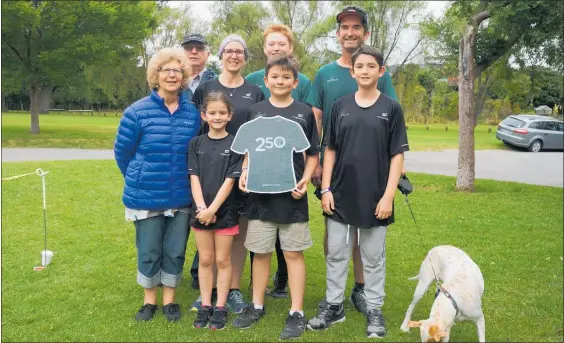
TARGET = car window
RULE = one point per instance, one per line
(536, 125)
(513, 122)
(549, 125)
(560, 127)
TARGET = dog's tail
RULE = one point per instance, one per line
(416, 277)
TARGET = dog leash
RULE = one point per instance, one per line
(405, 187)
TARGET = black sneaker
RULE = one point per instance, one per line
(146, 313)
(219, 318)
(358, 299)
(203, 317)
(327, 316)
(375, 326)
(248, 317)
(279, 290)
(295, 326)
(172, 312)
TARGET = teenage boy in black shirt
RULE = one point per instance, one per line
(283, 212)
(365, 140)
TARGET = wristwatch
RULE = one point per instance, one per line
(325, 190)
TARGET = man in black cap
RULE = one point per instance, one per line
(197, 51)
(333, 81)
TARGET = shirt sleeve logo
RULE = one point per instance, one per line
(332, 79)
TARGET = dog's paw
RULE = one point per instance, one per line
(404, 328)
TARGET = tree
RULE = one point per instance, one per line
(486, 31)
(52, 42)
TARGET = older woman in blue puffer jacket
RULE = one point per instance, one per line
(151, 151)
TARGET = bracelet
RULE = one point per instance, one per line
(325, 190)
(245, 167)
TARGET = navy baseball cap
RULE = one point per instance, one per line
(194, 38)
(353, 10)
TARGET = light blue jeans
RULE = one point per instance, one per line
(161, 249)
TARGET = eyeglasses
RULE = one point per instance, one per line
(198, 47)
(167, 71)
(231, 52)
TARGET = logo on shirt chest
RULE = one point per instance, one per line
(299, 117)
(383, 116)
(343, 114)
(225, 153)
(247, 96)
(332, 79)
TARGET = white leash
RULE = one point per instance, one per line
(38, 172)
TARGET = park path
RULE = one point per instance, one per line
(544, 168)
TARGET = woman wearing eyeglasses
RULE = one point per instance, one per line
(151, 151)
(233, 54)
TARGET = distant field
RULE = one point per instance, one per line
(98, 132)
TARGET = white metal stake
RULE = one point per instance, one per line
(41, 173)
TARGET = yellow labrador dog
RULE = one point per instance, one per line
(459, 298)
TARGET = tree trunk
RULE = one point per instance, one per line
(35, 107)
(4, 107)
(45, 96)
(466, 156)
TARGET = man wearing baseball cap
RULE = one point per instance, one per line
(197, 51)
(332, 82)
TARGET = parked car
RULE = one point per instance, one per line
(531, 131)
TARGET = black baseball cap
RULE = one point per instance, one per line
(353, 10)
(195, 38)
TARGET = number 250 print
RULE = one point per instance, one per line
(270, 142)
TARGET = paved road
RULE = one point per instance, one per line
(545, 168)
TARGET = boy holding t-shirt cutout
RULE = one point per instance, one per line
(286, 213)
(365, 139)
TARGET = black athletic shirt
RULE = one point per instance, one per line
(282, 208)
(213, 161)
(365, 140)
(242, 98)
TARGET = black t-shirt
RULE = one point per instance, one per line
(365, 140)
(282, 208)
(242, 98)
(213, 161)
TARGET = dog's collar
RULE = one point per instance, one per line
(447, 294)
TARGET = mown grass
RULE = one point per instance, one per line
(96, 132)
(88, 293)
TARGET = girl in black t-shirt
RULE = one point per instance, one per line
(213, 170)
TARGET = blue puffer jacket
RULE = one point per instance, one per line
(151, 151)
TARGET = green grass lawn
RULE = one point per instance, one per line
(89, 293)
(64, 131)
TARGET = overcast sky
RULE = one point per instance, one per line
(405, 43)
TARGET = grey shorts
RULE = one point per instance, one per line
(261, 236)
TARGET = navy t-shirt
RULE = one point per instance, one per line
(365, 140)
(213, 162)
(280, 208)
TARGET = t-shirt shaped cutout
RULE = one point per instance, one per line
(270, 143)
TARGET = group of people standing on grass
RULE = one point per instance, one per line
(174, 149)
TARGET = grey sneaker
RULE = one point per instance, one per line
(358, 299)
(172, 312)
(249, 315)
(146, 313)
(327, 316)
(375, 326)
(279, 290)
(235, 301)
(295, 326)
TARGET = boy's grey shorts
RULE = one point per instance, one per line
(261, 236)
